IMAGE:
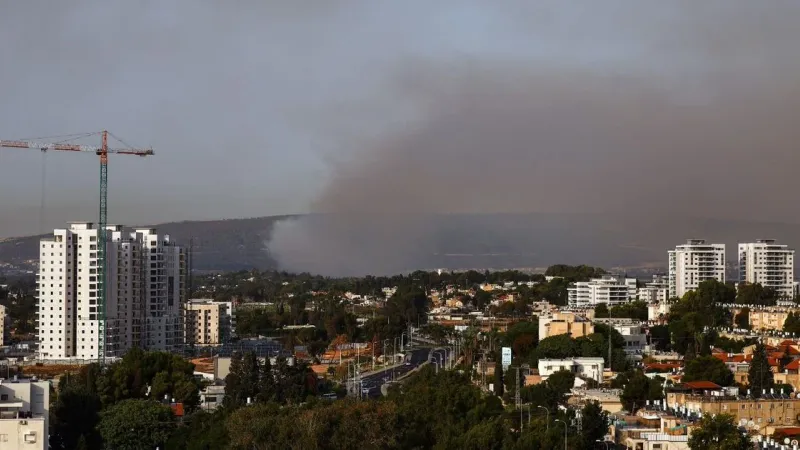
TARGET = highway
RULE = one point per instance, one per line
(371, 384)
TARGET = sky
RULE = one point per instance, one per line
(265, 107)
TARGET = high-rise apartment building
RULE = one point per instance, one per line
(4, 324)
(694, 262)
(608, 289)
(769, 264)
(144, 295)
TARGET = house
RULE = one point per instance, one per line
(587, 368)
(24, 414)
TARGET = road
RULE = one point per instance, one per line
(371, 384)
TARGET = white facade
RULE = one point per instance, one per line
(694, 262)
(769, 264)
(656, 291)
(591, 368)
(24, 414)
(144, 294)
(608, 289)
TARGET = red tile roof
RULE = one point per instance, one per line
(177, 409)
(701, 385)
(794, 365)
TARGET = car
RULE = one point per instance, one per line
(407, 363)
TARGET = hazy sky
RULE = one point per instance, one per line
(269, 107)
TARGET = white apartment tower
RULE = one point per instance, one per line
(767, 263)
(144, 296)
(694, 262)
(608, 289)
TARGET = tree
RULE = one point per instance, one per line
(660, 337)
(742, 320)
(595, 424)
(708, 368)
(498, 376)
(561, 382)
(760, 376)
(792, 323)
(75, 416)
(755, 294)
(638, 389)
(243, 380)
(601, 311)
(136, 425)
(718, 433)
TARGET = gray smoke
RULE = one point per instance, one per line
(715, 136)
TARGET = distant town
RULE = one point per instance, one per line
(575, 356)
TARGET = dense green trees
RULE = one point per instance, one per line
(755, 294)
(84, 407)
(75, 415)
(708, 368)
(792, 323)
(135, 424)
(601, 311)
(574, 273)
(260, 382)
(718, 432)
(633, 310)
(742, 320)
(638, 389)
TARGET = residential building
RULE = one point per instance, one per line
(208, 322)
(24, 414)
(656, 291)
(631, 331)
(769, 264)
(588, 368)
(692, 263)
(766, 317)
(762, 416)
(564, 323)
(608, 289)
(144, 294)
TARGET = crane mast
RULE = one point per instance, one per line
(102, 233)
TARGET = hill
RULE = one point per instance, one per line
(452, 241)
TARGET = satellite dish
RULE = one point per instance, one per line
(743, 422)
(751, 424)
(795, 442)
(786, 441)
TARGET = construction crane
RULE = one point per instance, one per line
(103, 151)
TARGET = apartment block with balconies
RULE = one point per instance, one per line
(694, 262)
(769, 264)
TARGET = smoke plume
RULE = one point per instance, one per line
(716, 137)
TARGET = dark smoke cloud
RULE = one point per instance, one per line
(510, 139)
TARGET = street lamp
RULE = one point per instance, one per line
(565, 432)
(547, 423)
(604, 442)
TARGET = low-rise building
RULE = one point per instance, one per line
(759, 415)
(588, 368)
(656, 291)
(569, 323)
(24, 414)
(609, 289)
(208, 323)
(766, 318)
(631, 330)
